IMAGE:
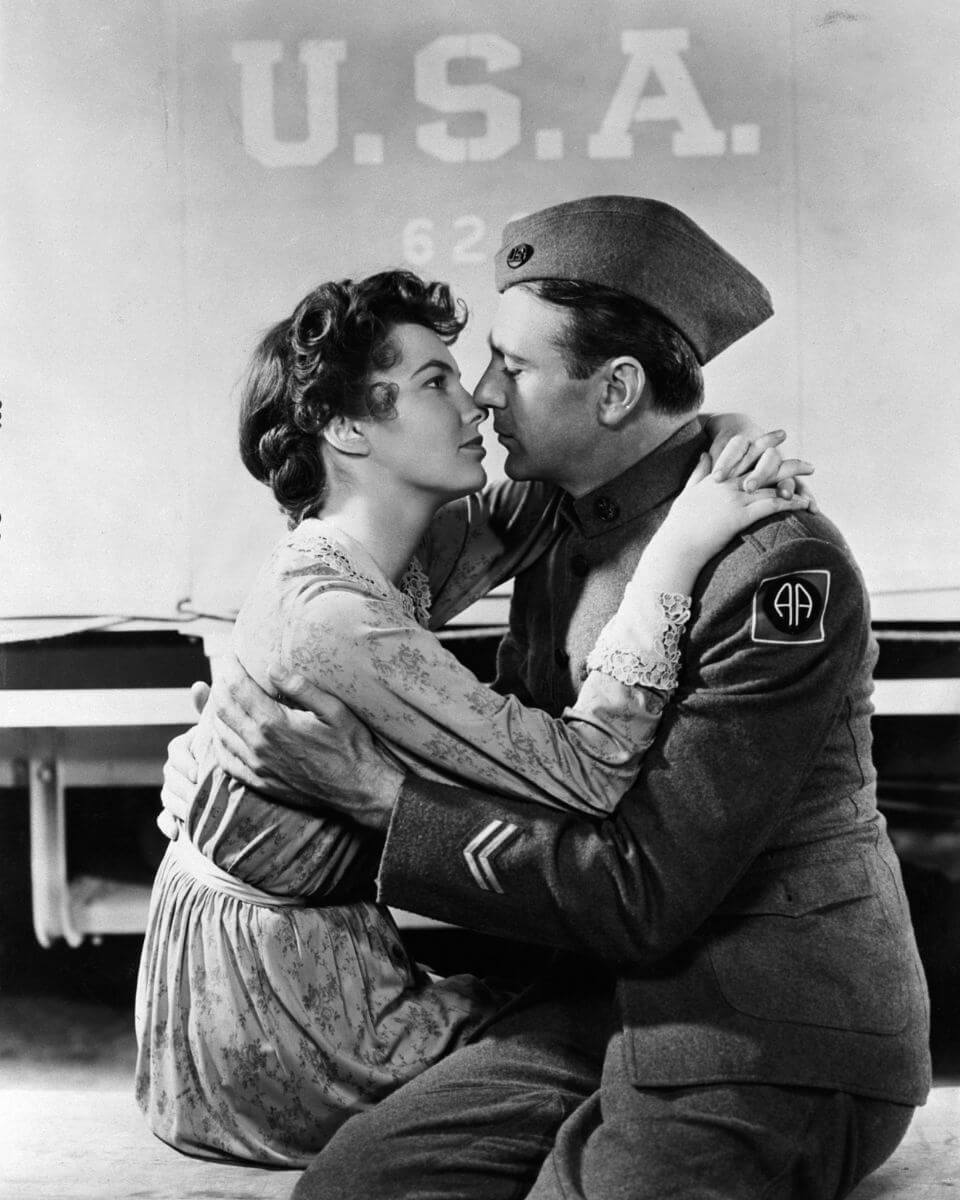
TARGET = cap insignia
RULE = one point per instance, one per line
(519, 254)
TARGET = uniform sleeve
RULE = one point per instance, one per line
(437, 717)
(475, 544)
(776, 635)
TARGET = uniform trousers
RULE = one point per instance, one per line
(520, 1113)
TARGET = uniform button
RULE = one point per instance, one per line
(579, 566)
(561, 657)
(606, 509)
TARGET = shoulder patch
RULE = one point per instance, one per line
(789, 610)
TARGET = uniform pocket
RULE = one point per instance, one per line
(812, 945)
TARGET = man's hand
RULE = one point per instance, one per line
(316, 755)
(180, 772)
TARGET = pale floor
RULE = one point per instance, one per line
(69, 1128)
(69, 1144)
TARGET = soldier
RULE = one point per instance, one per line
(761, 1025)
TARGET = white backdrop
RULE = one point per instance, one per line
(181, 173)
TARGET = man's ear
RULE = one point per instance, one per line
(347, 435)
(622, 382)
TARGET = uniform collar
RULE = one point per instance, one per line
(642, 487)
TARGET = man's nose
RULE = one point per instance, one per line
(487, 393)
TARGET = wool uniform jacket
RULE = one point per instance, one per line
(745, 890)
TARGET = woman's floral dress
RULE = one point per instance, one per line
(275, 997)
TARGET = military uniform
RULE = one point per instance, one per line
(744, 894)
(770, 1024)
(745, 889)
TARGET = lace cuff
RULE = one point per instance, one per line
(659, 667)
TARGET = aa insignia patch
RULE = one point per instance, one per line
(789, 609)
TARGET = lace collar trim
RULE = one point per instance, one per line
(415, 591)
(342, 552)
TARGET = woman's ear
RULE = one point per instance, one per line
(347, 435)
(622, 382)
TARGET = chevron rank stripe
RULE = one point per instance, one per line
(482, 848)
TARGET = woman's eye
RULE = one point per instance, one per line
(437, 381)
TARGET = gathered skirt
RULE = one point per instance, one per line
(261, 1028)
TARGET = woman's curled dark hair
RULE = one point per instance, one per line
(315, 366)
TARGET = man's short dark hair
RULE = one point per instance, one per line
(603, 323)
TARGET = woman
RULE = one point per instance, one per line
(275, 998)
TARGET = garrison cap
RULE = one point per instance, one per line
(647, 249)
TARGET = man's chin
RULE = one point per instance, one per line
(516, 468)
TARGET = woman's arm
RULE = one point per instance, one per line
(477, 543)
(449, 720)
(738, 442)
(440, 721)
(287, 754)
